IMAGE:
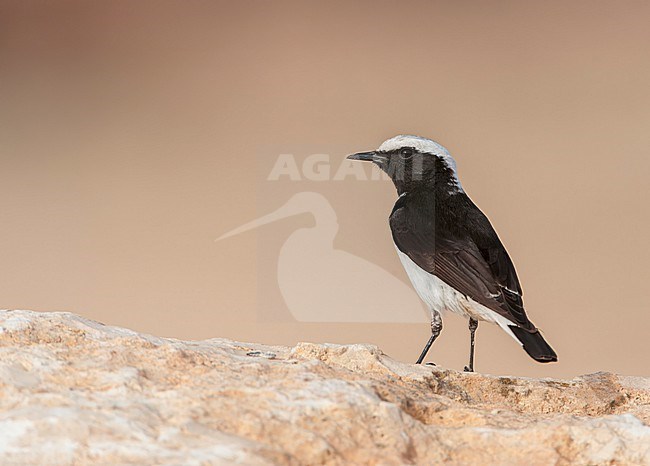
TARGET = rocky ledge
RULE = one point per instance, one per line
(75, 391)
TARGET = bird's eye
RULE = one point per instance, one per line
(406, 153)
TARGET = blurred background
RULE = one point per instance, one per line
(132, 135)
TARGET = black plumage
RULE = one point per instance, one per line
(449, 237)
(445, 234)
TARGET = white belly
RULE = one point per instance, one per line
(441, 297)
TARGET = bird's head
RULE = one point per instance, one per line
(413, 162)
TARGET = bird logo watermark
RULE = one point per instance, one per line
(302, 275)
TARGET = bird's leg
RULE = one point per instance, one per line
(473, 325)
(436, 328)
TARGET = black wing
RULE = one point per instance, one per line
(470, 259)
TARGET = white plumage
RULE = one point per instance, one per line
(439, 296)
(424, 146)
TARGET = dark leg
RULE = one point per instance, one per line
(436, 328)
(473, 325)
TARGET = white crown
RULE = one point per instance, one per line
(423, 145)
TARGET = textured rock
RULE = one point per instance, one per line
(76, 392)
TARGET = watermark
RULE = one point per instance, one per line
(319, 167)
(302, 274)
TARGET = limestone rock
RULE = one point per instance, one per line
(75, 391)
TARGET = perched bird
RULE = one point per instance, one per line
(448, 247)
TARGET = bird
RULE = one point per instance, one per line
(320, 283)
(448, 247)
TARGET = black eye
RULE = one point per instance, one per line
(406, 153)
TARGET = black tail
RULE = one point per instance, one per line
(534, 344)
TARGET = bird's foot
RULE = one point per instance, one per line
(429, 363)
(468, 369)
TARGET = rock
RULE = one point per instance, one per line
(76, 391)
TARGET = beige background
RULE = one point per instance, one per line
(131, 135)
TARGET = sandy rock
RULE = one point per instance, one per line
(74, 391)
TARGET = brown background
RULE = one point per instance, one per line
(130, 132)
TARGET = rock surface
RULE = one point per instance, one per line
(77, 392)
